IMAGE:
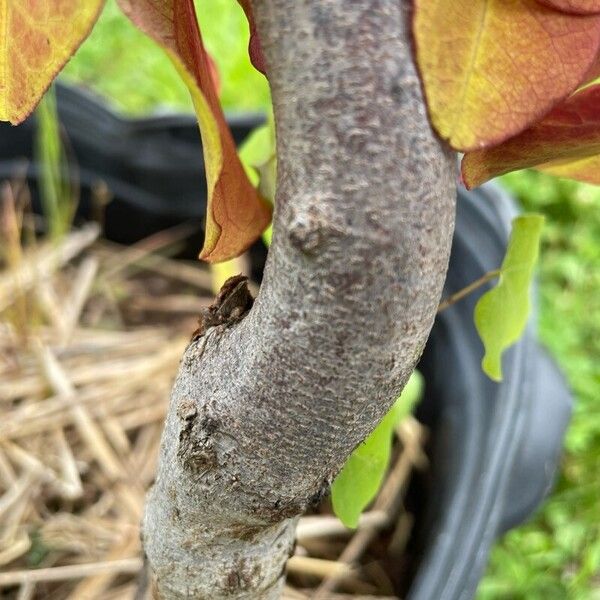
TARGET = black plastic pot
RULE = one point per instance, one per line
(152, 166)
(494, 447)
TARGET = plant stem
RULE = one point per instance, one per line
(454, 298)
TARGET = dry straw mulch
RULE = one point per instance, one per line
(90, 339)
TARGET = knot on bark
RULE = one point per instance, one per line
(243, 577)
(309, 229)
(196, 449)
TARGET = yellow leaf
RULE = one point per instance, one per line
(36, 40)
(490, 68)
(583, 169)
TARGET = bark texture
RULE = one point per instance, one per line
(266, 408)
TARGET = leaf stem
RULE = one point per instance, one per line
(454, 298)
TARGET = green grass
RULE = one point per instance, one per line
(556, 555)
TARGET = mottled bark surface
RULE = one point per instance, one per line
(267, 408)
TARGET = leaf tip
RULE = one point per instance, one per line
(492, 367)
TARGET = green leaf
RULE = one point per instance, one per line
(361, 477)
(267, 235)
(501, 313)
(258, 155)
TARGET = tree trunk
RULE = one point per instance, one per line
(267, 407)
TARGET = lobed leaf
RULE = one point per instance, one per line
(501, 313)
(490, 68)
(37, 40)
(361, 477)
(575, 7)
(236, 213)
(566, 143)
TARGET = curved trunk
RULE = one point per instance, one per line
(267, 407)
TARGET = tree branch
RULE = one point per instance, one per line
(266, 409)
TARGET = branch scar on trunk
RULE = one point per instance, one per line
(232, 303)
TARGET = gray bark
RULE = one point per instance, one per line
(267, 407)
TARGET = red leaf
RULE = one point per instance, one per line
(254, 47)
(569, 133)
(236, 214)
(574, 7)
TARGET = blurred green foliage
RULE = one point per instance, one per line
(557, 555)
(59, 198)
(123, 64)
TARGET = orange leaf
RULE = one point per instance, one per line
(566, 142)
(236, 215)
(575, 7)
(37, 39)
(584, 169)
(254, 47)
(490, 68)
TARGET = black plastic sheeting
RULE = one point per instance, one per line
(494, 447)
